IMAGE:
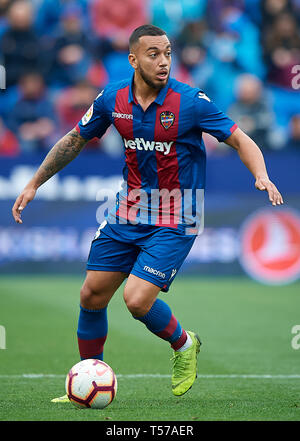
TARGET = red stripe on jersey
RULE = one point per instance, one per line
(125, 128)
(167, 165)
(233, 128)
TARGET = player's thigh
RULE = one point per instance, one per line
(109, 263)
(139, 295)
(162, 256)
(99, 287)
(109, 254)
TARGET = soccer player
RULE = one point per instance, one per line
(161, 122)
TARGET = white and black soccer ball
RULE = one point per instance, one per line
(91, 383)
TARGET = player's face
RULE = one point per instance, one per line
(151, 58)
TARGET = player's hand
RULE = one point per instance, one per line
(264, 184)
(22, 200)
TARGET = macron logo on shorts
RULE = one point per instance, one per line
(141, 144)
(154, 271)
(174, 271)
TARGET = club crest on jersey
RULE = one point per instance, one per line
(167, 119)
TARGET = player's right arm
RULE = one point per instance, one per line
(63, 152)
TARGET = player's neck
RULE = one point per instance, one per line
(144, 94)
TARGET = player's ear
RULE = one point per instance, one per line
(132, 60)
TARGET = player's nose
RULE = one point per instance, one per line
(163, 62)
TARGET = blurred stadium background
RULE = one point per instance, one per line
(58, 54)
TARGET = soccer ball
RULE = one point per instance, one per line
(91, 383)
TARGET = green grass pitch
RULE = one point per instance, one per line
(247, 367)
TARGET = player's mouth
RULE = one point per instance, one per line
(162, 75)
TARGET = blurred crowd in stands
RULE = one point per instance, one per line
(58, 55)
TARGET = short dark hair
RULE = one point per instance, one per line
(145, 30)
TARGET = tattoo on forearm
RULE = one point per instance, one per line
(63, 152)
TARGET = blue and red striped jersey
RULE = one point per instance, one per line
(164, 149)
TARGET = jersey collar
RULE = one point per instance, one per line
(159, 99)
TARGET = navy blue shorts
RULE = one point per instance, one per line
(147, 251)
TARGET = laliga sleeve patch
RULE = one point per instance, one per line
(203, 96)
(87, 116)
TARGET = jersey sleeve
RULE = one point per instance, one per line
(209, 119)
(95, 121)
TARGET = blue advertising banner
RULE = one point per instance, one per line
(89, 171)
(243, 233)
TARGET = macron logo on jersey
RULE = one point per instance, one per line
(141, 144)
(203, 96)
(122, 115)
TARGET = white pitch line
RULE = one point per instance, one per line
(207, 376)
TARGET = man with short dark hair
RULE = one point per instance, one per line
(148, 235)
(20, 47)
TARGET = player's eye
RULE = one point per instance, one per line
(153, 55)
(169, 53)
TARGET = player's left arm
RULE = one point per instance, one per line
(251, 155)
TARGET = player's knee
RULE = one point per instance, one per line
(136, 308)
(136, 305)
(86, 296)
(92, 299)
